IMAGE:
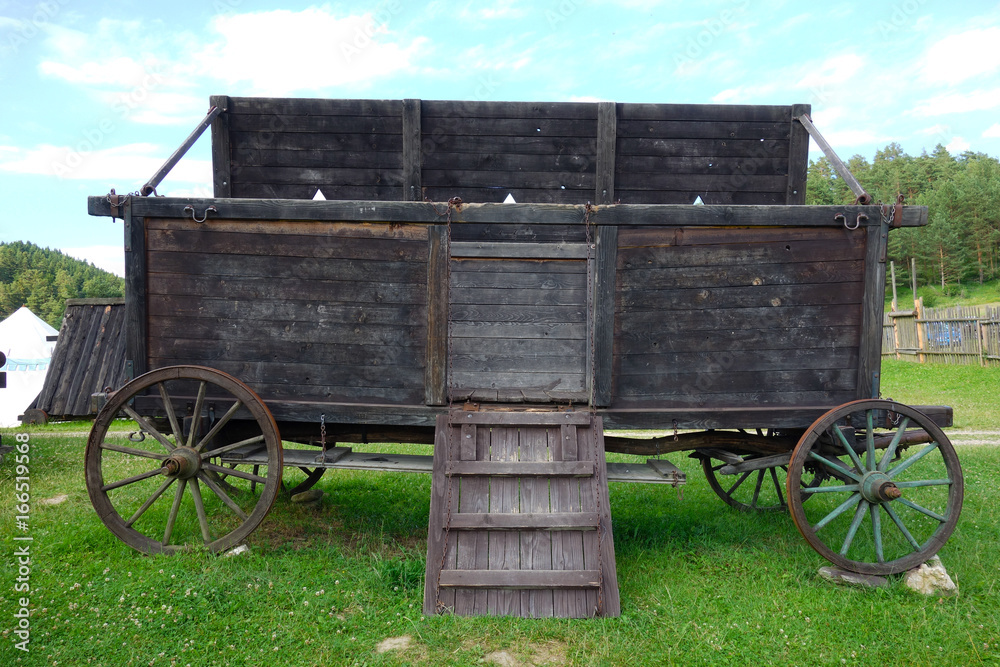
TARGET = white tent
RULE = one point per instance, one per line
(24, 340)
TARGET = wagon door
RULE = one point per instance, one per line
(518, 323)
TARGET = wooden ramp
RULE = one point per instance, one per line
(520, 523)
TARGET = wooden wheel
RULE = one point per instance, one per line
(756, 489)
(301, 478)
(890, 508)
(159, 490)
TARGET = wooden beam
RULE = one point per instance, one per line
(436, 369)
(546, 418)
(520, 579)
(605, 279)
(798, 156)
(521, 468)
(524, 521)
(135, 292)
(873, 305)
(411, 151)
(537, 214)
(607, 137)
(222, 177)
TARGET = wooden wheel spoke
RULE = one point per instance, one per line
(835, 466)
(196, 416)
(890, 451)
(899, 524)
(235, 473)
(228, 448)
(831, 489)
(913, 459)
(132, 480)
(199, 508)
(869, 440)
(737, 484)
(171, 415)
(859, 515)
(777, 486)
(174, 509)
(218, 425)
(147, 427)
(877, 531)
(149, 502)
(855, 459)
(923, 510)
(913, 484)
(223, 496)
(843, 507)
(756, 488)
(132, 451)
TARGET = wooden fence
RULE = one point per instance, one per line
(957, 335)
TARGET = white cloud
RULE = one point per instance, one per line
(957, 145)
(992, 132)
(503, 9)
(832, 74)
(852, 138)
(280, 52)
(937, 130)
(963, 56)
(941, 105)
(121, 163)
(108, 257)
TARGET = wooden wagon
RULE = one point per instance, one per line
(358, 278)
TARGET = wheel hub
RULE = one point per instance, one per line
(876, 487)
(183, 463)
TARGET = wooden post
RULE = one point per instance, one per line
(411, 151)
(913, 279)
(222, 159)
(918, 309)
(892, 270)
(607, 137)
(798, 156)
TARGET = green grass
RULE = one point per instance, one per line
(323, 586)
(972, 294)
(972, 391)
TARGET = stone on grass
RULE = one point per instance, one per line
(54, 500)
(395, 644)
(236, 551)
(839, 576)
(310, 497)
(931, 579)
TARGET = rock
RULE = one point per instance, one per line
(394, 644)
(838, 576)
(312, 496)
(931, 579)
(502, 658)
(54, 500)
(236, 551)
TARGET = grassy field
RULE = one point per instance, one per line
(326, 585)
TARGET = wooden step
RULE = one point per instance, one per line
(520, 523)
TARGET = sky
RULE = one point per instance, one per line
(96, 94)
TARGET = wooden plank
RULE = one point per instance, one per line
(282, 106)
(221, 148)
(455, 178)
(495, 249)
(136, 276)
(706, 112)
(759, 387)
(319, 156)
(261, 287)
(685, 182)
(523, 468)
(713, 197)
(303, 313)
(191, 233)
(654, 400)
(789, 358)
(670, 301)
(726, 254)
(501, 294)
(609, 604)
(492, 161)
(823, 273)
(472, 546)
(536, 546)
(604, 306)
(411, 151)
(607, 137)
(567, 547)
(388, 212)
(436, 546)
(563, 520)
(798, 156)
(545, 418)
(523, 579)
(751, 318)
(336, 176)
(449, 144)
(552, 270)
(246, 142)
(318, 123)
(315, 332)
(631, 237)
(493, 360)
(449, 109)
(472, 350)
(701, 129)
(438, 297)
(306, 191)
(768, 148)
(457, 127)
(477, 329)
(284, 267)
(518, 231)
(870, 351)
(505, 506)
(519, 314)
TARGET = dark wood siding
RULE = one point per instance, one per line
(299, 311)
(727, 317)
(573, 153)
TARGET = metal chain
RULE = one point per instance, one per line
(322, 434)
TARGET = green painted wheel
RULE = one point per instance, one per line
(895, 492)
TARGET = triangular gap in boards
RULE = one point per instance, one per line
(509, 199)
(319, 195)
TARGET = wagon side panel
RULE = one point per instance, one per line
(727, 317)
(313, 312)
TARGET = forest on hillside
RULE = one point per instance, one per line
(961, 243)
(43, 279)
